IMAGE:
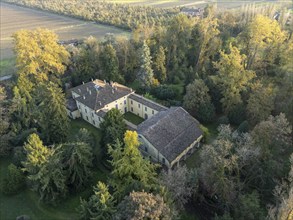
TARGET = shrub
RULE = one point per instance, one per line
(237, 115)
(14, 181)
(243, 127)
(206, 133)
(224, 120)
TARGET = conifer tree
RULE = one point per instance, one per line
(146, 74)
(130, 170)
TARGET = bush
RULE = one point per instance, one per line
(164, 92)
(14, 181)
(206, 112)
(206, 133)
(224, 120)
(237, 115)
(18, 156)
(243, 127)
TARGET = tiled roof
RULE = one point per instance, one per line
(147, 102)
(96, 94)
(171, 131)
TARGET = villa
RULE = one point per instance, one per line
(167, 135)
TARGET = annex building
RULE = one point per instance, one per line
(167, 135)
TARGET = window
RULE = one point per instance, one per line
(146, 148)
(87, 118)
(116, 106)
(124, 102)
(138, 105)
(125, 109)
(92, 114)
(145, 108)
(131, 102)
(99, 119)
(85, 110)
(163, 160)
(94, 122)
(131, 109)
(145, 116)
(79, 106)
(153, 112)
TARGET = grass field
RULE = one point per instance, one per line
(134, 119)
(27, 202)
(14, 18)
(7, 66)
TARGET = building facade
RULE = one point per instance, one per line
(167, 135)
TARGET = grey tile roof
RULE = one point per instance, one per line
(101, 113)
(147, 102)
(96, 94)
(171, 131)
(71, 104)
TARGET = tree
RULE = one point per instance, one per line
(52, 105)
(130, 169)
(198, 102)
(50, 180)
(113, 127)
(232, 78)
(109, 64)
(284, 198)
(262, 38)
(260, 103)
(83, 135)
(143, 205)
(5, 123)
(100, 205)
(77, 162)
(146, 74)
(14, 180)
(38, 55)
(180, 184)
(36, 154)
(160, 65)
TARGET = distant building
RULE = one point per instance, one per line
(192, 12)
(167, 136)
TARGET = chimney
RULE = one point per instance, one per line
(92, 80)
(83, 97)
(105, 81)
(112, 91)
(90, 92)
(79, 90)
(100, 103)
(83, 83)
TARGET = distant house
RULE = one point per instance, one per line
(192, 12)
(167, 135)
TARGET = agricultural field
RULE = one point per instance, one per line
(221, 4)
(14, 18)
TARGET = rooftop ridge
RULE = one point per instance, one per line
(140, 96)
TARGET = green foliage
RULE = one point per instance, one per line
(83, 135)
(46, 57)
(260, 103)
(53, 105)
(160, 65)
(206, 132)
(119, 15)
(113, 127)
(249, 207)
(14, 180)
(100, 205)
(223, 120)
(109, 64)
(237, 114)
(77, 162)
(146, 74)
(130, 170)
(198, 101)
(243, 127)
(232, 78)
(142, 205)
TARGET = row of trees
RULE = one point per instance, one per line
(119, 15)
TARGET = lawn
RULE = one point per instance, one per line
(134, 119)
(7, 67)
(27, 202)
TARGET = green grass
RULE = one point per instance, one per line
(27, 202)
(134, 119)
(7, 67)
